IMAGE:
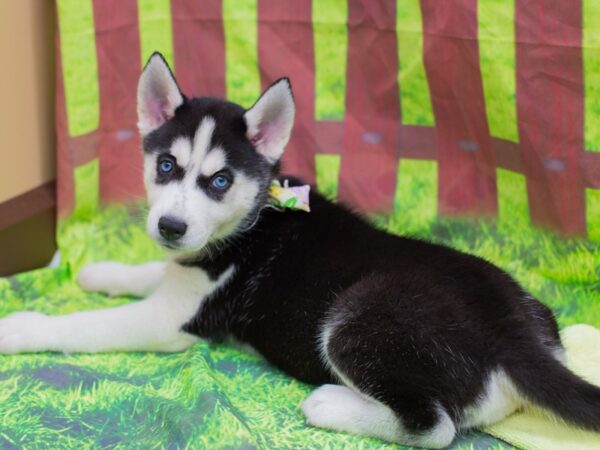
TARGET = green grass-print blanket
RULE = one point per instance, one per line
(215, 396)
(209, 397)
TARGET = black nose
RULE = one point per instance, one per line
(171, 229)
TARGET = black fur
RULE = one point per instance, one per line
(412, 324)
(422, 323)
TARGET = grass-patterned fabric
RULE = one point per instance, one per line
(208, 397)
(216, 396)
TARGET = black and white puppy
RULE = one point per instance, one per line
(411, 342)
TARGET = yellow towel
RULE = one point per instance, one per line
(536, 430)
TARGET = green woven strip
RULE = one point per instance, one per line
(156, 32)
(497, 62)
(241, 51)
(415, 201)
(79, 66)
(415, 100)
(593, 213)
(331, 49)
(591, 74)
(87, 187)
(512, 199)
(328, 172)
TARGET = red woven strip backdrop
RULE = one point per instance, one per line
(370, 136)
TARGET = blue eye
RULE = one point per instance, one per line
(220, 182)
(165, 166)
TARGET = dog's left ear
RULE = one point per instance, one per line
(270, 120)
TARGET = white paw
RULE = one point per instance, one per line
(105, 277)
(332, 406)
(24, 332)
(342, 409)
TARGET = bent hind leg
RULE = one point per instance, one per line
(382, 397)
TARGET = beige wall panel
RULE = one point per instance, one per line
(27, 143)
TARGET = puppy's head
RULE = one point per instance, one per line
(208, 163)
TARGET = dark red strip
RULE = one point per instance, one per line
(467, 177)
(591, 169)
(416, 142)
(199, 46)
(285, 48)
(369, 158)
(118, 50)
(64, 160)
(329, 136)
(550, 110)
(507, 155)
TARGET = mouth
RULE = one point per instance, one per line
(179, 247)
(170, 245)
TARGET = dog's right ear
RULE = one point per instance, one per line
(158, 95)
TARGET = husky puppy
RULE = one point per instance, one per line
(409, 341)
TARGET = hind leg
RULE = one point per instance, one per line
(405, 381)
(384, 394)
(341, 408)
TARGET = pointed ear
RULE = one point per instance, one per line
(158, 95)
(270, 120)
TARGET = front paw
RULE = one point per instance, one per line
(26, 331)
(104, 277)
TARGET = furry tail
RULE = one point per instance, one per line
(548, 383)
